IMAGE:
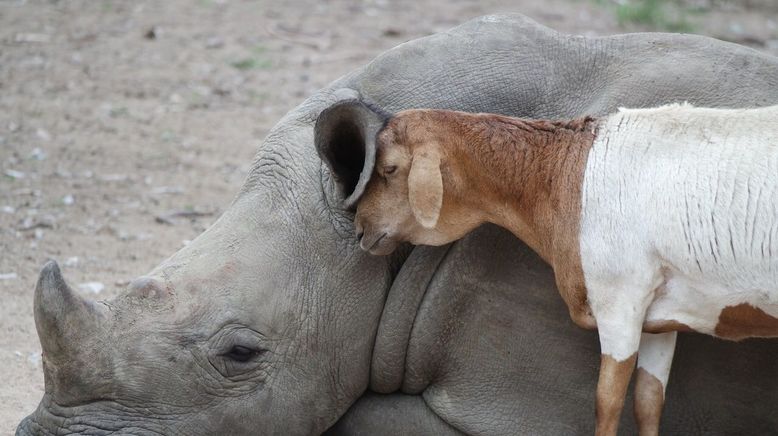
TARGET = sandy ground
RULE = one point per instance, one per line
(127, 127)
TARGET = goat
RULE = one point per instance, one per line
(654, 221)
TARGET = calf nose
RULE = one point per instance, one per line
(360, 231)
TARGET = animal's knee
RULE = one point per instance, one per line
(649, 400)
(583, 318)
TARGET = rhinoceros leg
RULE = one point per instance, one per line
(655, 357)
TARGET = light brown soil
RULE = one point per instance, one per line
(114, 114)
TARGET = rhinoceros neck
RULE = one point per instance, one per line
(402, 305)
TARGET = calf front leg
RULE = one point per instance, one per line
(619, 316)
(655, 358)
(611, 390)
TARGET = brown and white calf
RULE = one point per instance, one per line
(654, 220)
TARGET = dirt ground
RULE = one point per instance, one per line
(127, 127)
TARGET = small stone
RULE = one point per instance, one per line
(34, 359)
(8, 209)
(392, 32)
(18, 353)
(113, 177)
(159, 190)
(71, 261)
(32, 37)
(8, 276)
(38, 154)
(15, 174)
(92, 287)
(65, 174)
(38, 233)
(122, 283)
(68, 200)
(154, 32)
(42, 135)
(214, 42)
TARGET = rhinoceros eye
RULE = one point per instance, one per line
(240, 353)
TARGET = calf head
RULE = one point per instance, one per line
(413, 193)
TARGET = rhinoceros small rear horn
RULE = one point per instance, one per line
(61, 314)
(345, 140)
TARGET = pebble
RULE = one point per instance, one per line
(32, 37)
(167, 190)
(43, 135)
(214, 42)
(38, 154)
(92, 287)
(68, 200)
(71, 261)
(34, 359)
(113, 177)
(8, 276)
(15, 174)
(8, 209)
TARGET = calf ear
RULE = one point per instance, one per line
(425, 187)
(345, 135)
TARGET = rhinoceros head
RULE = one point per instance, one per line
(262, 325)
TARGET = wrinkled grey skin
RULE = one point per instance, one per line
(469, 338)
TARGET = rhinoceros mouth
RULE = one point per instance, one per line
(97, 418)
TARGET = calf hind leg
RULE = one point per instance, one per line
(655, 357)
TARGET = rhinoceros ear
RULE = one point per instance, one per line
(345, 136)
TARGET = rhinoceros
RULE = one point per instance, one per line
(273, 321)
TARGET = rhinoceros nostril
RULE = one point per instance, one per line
(360, 235)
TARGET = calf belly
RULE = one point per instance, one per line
(686, 304)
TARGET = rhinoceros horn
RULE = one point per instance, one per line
(69, 328)
(345, 139)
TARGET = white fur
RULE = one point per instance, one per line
(679, 218)
(656, 354)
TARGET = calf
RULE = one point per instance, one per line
(654, 221)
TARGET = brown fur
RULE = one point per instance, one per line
(525, 175)
(649, 400)
(745, 321)
(666, 326)
(539, 167)
(611, 390)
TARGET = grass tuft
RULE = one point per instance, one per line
(665, 15)
(252, 63)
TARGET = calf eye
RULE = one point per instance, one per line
(389, 170)
(241, 354)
